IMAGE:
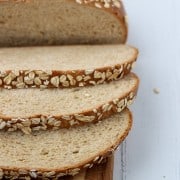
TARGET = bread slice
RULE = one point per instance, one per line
(64, 66)
(37, 22)
(34, 109)
(54, 154)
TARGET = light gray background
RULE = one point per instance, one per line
(152, 150)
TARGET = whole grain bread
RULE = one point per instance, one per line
(44, 22)
(64, 66)
(35, 109)
(52, 154)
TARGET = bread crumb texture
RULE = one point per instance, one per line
(51, 154)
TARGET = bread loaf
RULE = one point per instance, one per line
(64, 66)
(52, 154)
(35, 109)
(44, 22)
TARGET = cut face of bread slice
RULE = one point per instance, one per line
(64, 66)
(34, 109)
(50, 154)
(37, 22)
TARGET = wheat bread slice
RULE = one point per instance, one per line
(52, 154)
(35, 109)
(44, 22)
(64, 66)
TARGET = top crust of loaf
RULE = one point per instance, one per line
(113, 8)
(114, 5)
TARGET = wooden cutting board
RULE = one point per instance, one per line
(99, 172)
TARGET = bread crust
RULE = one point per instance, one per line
(39, 173)
(37, 78)
(98, 113)
(114, 8)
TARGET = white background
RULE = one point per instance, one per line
(152, 150)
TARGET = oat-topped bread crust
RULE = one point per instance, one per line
(37, 22)
(64, 66)
(34, 109)
(54, 154)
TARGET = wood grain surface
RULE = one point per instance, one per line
(98, 172)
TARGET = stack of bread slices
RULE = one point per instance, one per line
(63, 108)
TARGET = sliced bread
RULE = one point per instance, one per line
(44, 22)
(64, 66)
(52, 154)
(35, 109)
